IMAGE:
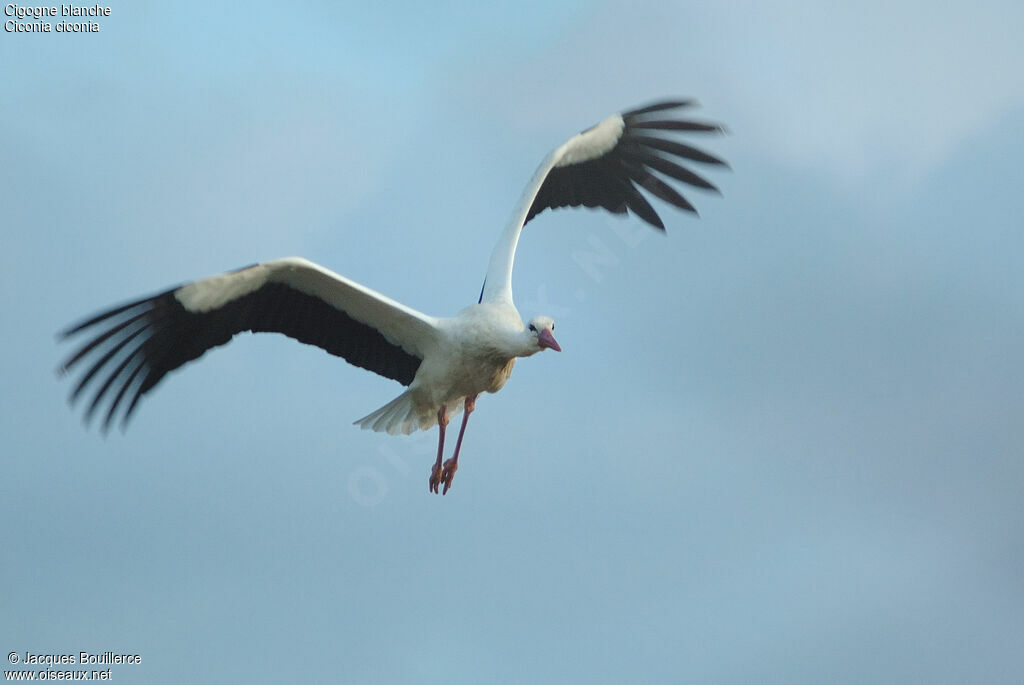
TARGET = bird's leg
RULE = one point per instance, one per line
(435, 471)
(452, 465)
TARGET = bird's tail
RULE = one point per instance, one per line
(397, 416)
(400, 416)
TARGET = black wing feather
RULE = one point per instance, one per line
(674, 125)
(135, 345)
(656, 186)
(676, 171)
(660, 107)
(674, 147)
(608, 181)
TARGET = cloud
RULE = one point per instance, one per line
(854, 89)
(863, 88)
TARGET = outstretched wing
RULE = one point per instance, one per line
(135, 345)
(606, 166)
(601, 166)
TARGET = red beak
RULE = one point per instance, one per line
(545, 339)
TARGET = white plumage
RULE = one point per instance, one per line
(445, 362)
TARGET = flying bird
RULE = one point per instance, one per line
(444, 362)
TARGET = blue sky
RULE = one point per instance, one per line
(782, 444)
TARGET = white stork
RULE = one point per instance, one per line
(445, 362)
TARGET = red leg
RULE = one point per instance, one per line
(435, 471)
(452, 465)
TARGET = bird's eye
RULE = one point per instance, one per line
(533, 328)
(552, 327)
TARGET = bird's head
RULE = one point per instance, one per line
(541, 330)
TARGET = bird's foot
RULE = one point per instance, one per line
(435, 477)
(448, 473)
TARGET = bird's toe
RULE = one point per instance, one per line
(435, 478)
(448, 473)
